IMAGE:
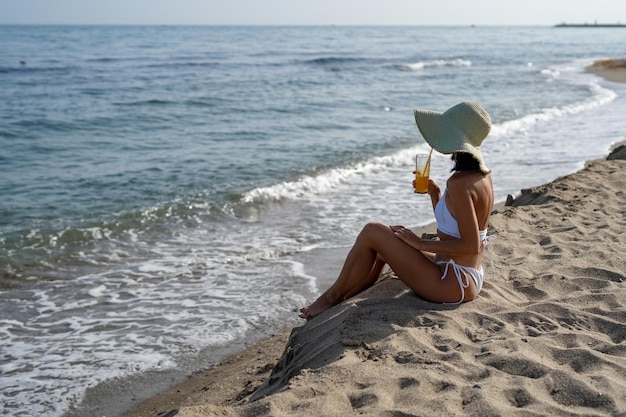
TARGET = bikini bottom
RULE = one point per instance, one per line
(460, 271)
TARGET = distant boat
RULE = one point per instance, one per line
(590, 25)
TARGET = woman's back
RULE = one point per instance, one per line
(469, 199)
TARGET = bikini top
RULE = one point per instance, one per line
(446, 223)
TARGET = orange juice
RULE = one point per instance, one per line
(421, 183)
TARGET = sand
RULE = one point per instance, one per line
(546, 336)
(610, 69)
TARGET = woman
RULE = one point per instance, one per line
(447, 270)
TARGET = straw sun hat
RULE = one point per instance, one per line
(461, 128)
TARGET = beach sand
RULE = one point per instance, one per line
(611, 69)
(546, 336)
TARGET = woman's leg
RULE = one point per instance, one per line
(354, 276)
(415, 269)
(371, 279)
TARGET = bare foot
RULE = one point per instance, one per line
(318, 307)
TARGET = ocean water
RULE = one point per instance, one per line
(158, 184)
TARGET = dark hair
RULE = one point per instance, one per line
(465, 162)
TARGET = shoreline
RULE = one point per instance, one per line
(610, 69)
(228, 385)
(227, 388)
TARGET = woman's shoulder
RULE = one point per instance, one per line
(466, 179)
(474, 184)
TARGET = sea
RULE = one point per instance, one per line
(166, 192)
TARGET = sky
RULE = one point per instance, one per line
(312, 12)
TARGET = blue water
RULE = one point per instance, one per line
(157, 184)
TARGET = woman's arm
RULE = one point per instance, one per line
(452, 247)
(434, 191)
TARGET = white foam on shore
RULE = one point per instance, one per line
(329, 180)
(101, 325)
(599, 96)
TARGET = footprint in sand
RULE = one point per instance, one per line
(519, 397)
(534, 324)
(361, 400)
(517, 366)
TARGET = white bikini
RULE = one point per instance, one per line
(447, 224)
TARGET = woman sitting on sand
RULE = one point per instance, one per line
(446, 270)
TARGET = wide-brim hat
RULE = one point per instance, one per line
(461, 128)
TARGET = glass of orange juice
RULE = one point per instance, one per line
(422, 172)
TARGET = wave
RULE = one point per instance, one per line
(599, 97)
(46, 125)
(327, 181)
(438, 63)
(550, 74)
(8, 70)
(207, 102)
(151, 102)
(8, 135)
(192, 102)
(26, 69)
(331, 60)
(34, 251)
(106, 60)
(187, 64)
